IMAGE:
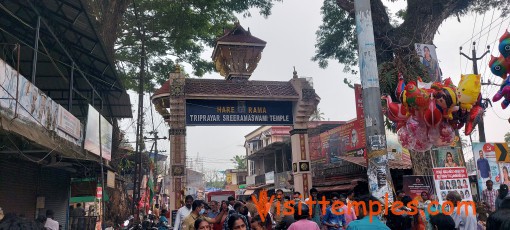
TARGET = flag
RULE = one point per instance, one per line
(150, 184)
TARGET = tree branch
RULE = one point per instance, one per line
(346, 5)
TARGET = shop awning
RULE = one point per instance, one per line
(394, 164)
(336, 188)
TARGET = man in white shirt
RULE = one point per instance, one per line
(463, 220)
(183, 212)
(50, 224)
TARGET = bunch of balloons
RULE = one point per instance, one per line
(427, 114)
(500, 67)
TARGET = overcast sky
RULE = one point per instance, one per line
(290, 35)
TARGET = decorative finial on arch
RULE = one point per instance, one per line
(177, 68)
(294, 73)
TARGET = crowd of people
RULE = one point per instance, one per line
(235, 214)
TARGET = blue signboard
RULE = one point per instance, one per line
(236, 112)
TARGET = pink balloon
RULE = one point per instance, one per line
(446, 135)
(404, 138)
(422, 142)
(433, 134)
(416, 127)
(422, 145)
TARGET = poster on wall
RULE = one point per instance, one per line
(428, 58)
(378, 177)
(447, 157)
(314, 143)
(330, 146)
(92, 142)
(503, 169)
(414, 186)
(452, 179)
(486, 165)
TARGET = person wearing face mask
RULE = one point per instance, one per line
(198, 210)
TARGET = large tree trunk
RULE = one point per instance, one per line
(107, 15)
(395, 45)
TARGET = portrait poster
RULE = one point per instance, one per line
(451, 179)
(486, 165)
(428, 58)
(504, 168)
(446, 157)
(413, 186)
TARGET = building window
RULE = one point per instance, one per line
(252, 167)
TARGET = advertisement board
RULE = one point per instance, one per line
(344, 139)
(486, 165)
(68, 123)
(451, 179)
(238, 112)
(19, 96)
(428, 58)
(92, 142)
(414, 185)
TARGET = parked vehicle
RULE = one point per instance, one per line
(219, 195)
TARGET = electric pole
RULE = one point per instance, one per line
(377, 167)
(474, 59)
(155, 145)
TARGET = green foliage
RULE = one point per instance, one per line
(336, 37)
(239, 162)
(174, 32)
(411, 70)
(317, 115)
(507, 137)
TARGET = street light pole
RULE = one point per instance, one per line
(377, 167)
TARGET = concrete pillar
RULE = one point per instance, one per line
(177, 138)
(301, 161)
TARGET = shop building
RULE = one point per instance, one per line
(48, 80)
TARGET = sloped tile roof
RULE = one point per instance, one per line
(203, 87)
(242, 89)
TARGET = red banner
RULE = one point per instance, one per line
(450, 173)
(353, 135)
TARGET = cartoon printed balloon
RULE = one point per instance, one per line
(404, 138)
(416, 127)
(504, 45)
(433, 135)
(422, 144)
(446, 135)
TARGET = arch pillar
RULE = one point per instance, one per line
(303, 109)
(177, 138)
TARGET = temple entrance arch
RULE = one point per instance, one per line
(235, 101)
